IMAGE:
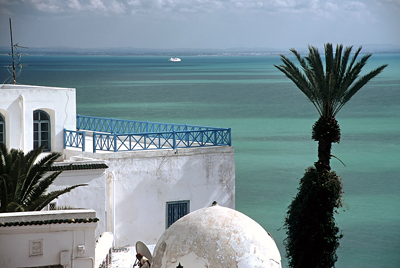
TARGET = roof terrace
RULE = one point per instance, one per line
(109, 134)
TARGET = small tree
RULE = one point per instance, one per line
(312, 233)
(23, 183)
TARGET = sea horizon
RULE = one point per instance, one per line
(134, 51)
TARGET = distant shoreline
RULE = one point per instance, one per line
(66, 51)
(64, 54)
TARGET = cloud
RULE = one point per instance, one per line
(7, 2)
(105, 7)
(97, 5)
(354, 6)
(51, 6)
(109, 7)
(4, 7)
(331, 6)
(202, 23)
(117, 7)
(74, 4)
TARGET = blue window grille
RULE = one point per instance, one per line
(176, 210)
(41, 130)
(2, 129)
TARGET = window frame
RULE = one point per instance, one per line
(38, 122)
(2, 129)
(176, 206)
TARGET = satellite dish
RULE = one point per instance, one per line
(144, 250)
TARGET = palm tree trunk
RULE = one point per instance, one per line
(326, 131)
(324, 156)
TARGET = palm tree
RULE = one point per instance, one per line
(312, 234)
(23, 183)
(329, 91)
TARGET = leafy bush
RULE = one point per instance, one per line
(312, 234)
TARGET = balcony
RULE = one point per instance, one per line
(116, 135)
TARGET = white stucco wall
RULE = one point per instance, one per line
(17, 103)
(140, 183)
(15, 241)
(93, 196)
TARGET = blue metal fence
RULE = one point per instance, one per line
(121, 126)
(74, 139)
(127, 135)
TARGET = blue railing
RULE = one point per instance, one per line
(74, 139)
(127, 135)
(121, 126)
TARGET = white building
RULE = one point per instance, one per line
(51, 239)
(142, 176)
(24, 107)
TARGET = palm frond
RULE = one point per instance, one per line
(22, 178)
(313, 81)
(345, 60)
(353, 60)
(14, 207)
(329, 87)
(4, 158)
(44, 200)
(359, 84)
(18, 172)
(340, 88)
(329, 62)
(302, 81)
(36, 171)
(4, 182)
(40, 187)
(316, 70)
(338, 58)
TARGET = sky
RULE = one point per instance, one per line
(203, 24)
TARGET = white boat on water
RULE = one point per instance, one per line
(174, 59)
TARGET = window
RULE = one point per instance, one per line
(41, 130)
(2, 129)
(52, 205)
(176, 210)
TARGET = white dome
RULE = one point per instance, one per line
(216, 237)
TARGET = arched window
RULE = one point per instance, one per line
(2, 129)
(41, 130)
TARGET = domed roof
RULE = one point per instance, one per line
(216, 237)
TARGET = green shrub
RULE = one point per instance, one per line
(312, 234)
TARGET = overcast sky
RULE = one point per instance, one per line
(199, 23)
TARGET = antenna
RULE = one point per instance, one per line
(15, 63)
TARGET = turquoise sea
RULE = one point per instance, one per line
(271, 124)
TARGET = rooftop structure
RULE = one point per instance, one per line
(141, 176)
(216, 236)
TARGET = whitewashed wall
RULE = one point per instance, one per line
(93, 196)
(140, 183)
(16, 250)
(17, 103)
